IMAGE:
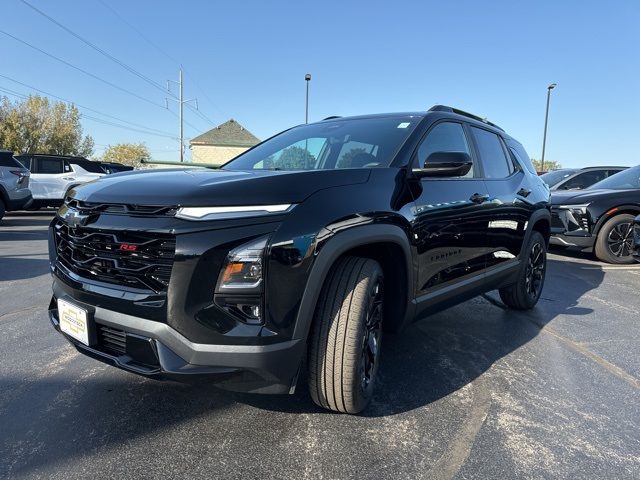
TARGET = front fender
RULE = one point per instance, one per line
(337, 245)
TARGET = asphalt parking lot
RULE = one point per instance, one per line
(476, 391)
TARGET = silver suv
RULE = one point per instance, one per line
(14, 184)
(52, 176)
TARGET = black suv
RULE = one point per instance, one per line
(305, 247)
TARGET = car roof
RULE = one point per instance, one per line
(436, 110)
(599, 167)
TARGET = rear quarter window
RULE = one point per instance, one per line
(7, 160)
(521, 156)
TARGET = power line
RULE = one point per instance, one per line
(169, 135)
(96, 77)
(95, 47)
(201, 115)
(99, 120)
(163, 52)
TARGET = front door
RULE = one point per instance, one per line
(450, 222)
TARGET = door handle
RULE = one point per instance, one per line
(523, 192)
(478, 198)
(71, 179)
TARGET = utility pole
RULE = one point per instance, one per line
(181, 103)
(546, 120)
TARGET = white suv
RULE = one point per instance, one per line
(52, 176)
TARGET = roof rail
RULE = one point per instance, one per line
(444, 108)
(331, 117)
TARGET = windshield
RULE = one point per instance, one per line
(349, 143)
(629, 178)
(556, 176)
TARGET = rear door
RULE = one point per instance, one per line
(508, 207)
(449, 225)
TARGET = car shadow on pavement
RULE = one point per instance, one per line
(439, 355)
(27, 219)
(83, 406)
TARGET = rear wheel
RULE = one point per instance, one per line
(524, 294)
(2, 209)
(615, 240)
(344, 348)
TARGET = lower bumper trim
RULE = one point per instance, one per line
(244, 368)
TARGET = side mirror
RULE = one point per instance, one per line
(445, 164)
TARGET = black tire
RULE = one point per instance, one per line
(525, 293)
(344, 349)
(2, 209)
(614, 243)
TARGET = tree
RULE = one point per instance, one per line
(294, 158)
(347, 157)
(37, 125)
(548, 165)
(126, 153)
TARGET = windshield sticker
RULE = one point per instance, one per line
(403, 125)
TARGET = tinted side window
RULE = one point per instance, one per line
(583, 180)
(50, 165)
(492, 155)
(444, 137)
(7, 160)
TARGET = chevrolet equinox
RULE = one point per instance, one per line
(292, 259)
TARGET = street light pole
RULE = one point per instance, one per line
(546, 121)
(307, 79)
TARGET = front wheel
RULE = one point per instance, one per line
(615, 240)
(525, 292)
(344, 349)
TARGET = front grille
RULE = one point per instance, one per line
(111, 340)
(88, 208)
(131, 259)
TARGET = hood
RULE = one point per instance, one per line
(204, 187)
(579, 197)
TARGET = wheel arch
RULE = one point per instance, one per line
(540, 221)
(380, 242)
(629, 209)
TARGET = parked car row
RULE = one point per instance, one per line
(33, 181)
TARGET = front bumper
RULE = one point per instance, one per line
(584, 243)
(155, 349)
(571, 228)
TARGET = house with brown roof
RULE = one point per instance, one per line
(222, 143)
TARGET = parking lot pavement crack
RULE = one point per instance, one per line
(21, 310)
(459, 449)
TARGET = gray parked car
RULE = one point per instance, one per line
(14, 184)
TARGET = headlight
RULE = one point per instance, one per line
(243, 267)
(577, 208)
(577, 217)
(221, 213)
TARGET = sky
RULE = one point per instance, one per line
(247, 60)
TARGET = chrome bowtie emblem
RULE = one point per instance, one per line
(73, 217)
